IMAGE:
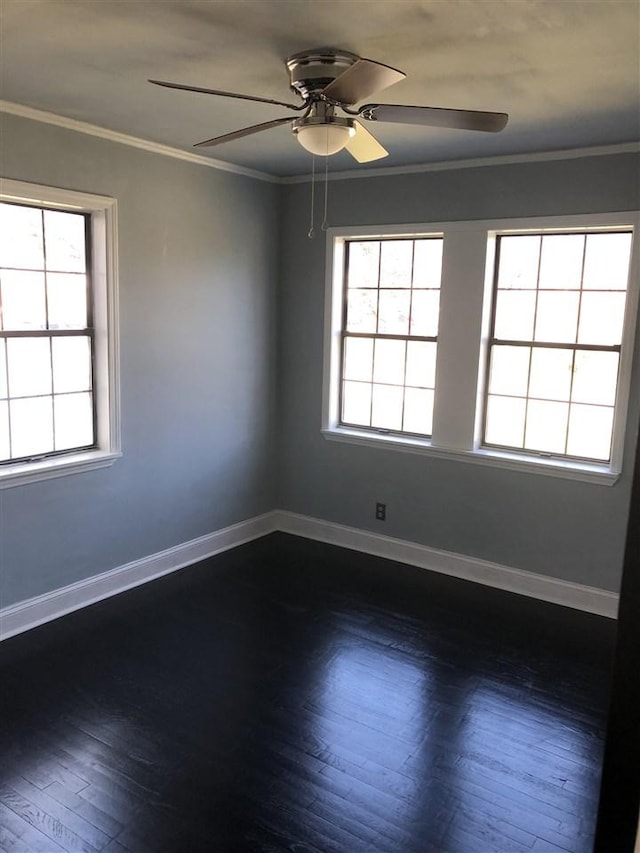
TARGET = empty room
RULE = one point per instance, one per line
(319, 408)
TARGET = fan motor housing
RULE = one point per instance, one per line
(310, 71)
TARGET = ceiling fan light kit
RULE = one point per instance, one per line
(323, 136)
(328, 80)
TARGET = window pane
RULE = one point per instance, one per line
(46, 347)
(579, 298)
(514, 315)
(557, 317)
(73, 421)
(425, 309)
(396, 261)
(509, 370)
(546, 426)
(421, 364)
(21, 237)
(31, 426)
(386, 409)
(5, 451)
(358, 360)
(362, 310)
(356, 403)
(388, 363)
(427, 263)
(29, 363)
(519, 262)
(561, 261)
(67, 301)
(601, 318)
(64, 241)
(393, 312)
(71, 364)
(595, 378)
(418, 411)
(3, 371)
(505, 421)
(364, 261)
(381, 278)
(551, 371)
(606, 265)
(590, 431)
(23, 300)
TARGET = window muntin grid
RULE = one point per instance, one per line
(556, 333)
(389, 334)
(46, 333)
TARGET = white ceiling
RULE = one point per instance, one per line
(567, 71)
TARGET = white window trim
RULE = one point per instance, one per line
(104, 236)
(463, 339)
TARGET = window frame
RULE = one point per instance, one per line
(102, 212)
(377, 335)
(466, 298)
(534, 344)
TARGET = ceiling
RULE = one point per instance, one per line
(567, 71)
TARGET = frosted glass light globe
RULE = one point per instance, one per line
(324, 139)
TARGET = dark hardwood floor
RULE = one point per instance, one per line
(294, 696)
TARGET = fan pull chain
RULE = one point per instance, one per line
(325, 224)
(310, 232)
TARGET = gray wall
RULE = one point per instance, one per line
(198, 266)
(221, 318)
(566, 529)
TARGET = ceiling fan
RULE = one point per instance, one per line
(331, 80)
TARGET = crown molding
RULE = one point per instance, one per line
(34, 114)
(133, 141)
(475, 163)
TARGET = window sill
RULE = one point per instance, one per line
(23, 473)
(583, 471)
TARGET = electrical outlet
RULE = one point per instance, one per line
(381, 512)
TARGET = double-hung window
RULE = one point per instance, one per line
(389, 334)
(494, 342)
(58, 365)
(558, 317)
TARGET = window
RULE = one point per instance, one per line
(58, 359)
(389, 338)
(521, 334)
(558, 315)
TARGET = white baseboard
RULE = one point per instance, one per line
(43, 608)
(577, 596)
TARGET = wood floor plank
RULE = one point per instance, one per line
(41, 831)
(114, 847)
(64, 816)
(293, 697)
(26, 833)
(86, 810)
(44, 772)
(11, 843)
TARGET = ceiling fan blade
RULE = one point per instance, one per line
(225, 94)
(435, 117)
(364, 147)
(238, 134)
(360, 80)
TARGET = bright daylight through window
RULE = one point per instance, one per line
(46, 345)
(555, 349)
(390, 334)
(497, 342)
(58, 406)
